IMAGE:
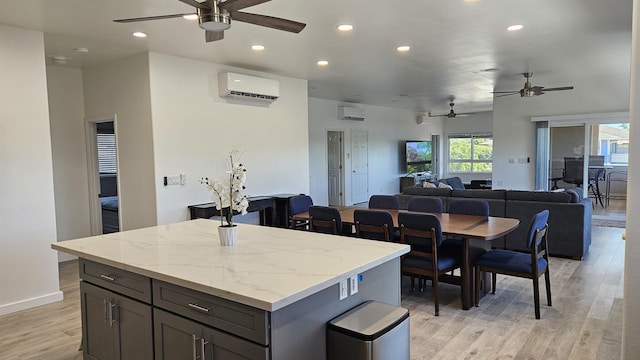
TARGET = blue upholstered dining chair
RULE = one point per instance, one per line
(469, 207)
(374, 225)
(298, 204)
(426, 258)
(428, 204)
(325, 219)
(530, 266)
(384, 202)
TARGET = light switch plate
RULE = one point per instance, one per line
(353, 283)
(344, 289)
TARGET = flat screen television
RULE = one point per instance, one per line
(418, 156)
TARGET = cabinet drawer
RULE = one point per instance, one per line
(238, 319)
(121, 281)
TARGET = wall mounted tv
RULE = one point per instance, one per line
(418, 156)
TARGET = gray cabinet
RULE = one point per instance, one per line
(114, 326)
(178, 338)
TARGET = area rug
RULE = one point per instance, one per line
(609, 223)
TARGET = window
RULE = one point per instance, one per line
(470, 153)
(613, 142)
(106, 153)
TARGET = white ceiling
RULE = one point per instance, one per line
(452, 43)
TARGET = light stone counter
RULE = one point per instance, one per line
(269, 268)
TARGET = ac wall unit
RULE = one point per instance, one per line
(350, 113)
(239, 86)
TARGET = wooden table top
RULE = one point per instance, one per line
(477, 227)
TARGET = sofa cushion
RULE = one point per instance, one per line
(576, 194)
(419, 190)
(481, 194)
(558, 197)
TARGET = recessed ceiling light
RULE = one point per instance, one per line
(139, 34)
(345, 27)
(515, 27)
(322, 63)
(404, 48)
(257, 47)
(190, 16)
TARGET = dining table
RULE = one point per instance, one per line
(466, 227)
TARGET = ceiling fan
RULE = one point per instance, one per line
(530, 91)
(214, 16)
(451, 114)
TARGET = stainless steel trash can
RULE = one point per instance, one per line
(370, 331)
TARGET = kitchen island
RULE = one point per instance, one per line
(267, 297)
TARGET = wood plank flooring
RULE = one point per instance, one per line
(585, 321)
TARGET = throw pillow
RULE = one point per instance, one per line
(444, 186)
(428, 184)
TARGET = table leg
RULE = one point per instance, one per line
(465, 274)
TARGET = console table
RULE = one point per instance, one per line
(264, 204)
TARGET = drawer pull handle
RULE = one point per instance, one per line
(107, 277)
(198, 307)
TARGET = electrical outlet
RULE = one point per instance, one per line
(353, 283)
(344, 292)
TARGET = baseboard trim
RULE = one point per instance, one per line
(30, 303)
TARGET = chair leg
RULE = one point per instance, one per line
(436, 294)
(413, 283)
(493, 282)
(477, 286)
(536, 297)
(548, 284)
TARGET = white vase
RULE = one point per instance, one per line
(228, 235)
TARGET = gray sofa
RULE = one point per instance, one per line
(569, 215)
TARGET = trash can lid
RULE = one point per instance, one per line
(369, 320)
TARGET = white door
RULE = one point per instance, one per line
(335, 168)
(359, 167)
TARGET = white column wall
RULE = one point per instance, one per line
(71, 188)
(194, 130)
(631, 316)
(387, 130)
(28, 265)
(121, 88)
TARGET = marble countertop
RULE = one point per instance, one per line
(269, 268)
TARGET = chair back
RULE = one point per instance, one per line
(573, 170)
(415, 228)
(428, 204)
(324, 219)
(299, 204)
(373, 224)
(538, 228)
(469, 207)
(384, 202)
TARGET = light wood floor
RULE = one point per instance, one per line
(585, 321)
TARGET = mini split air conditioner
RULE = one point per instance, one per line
(245, 87)
(350, 113)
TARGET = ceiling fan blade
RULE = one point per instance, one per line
(196, 4)
(235, 5)
(506, 92)
(213, 35)
(437, 115)
(147, 18)
(268, 21)
(557, 88)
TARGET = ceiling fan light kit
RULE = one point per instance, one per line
(213, 21)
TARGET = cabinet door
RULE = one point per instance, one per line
(220, 345)
(176, 338)
(98, 342)
(134, 335)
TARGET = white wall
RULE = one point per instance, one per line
(387, 129)
(194, 129)
(121, 88)
(514, 133)
(631, 316)
(66, 114)
(28, 265)
(478, 123)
